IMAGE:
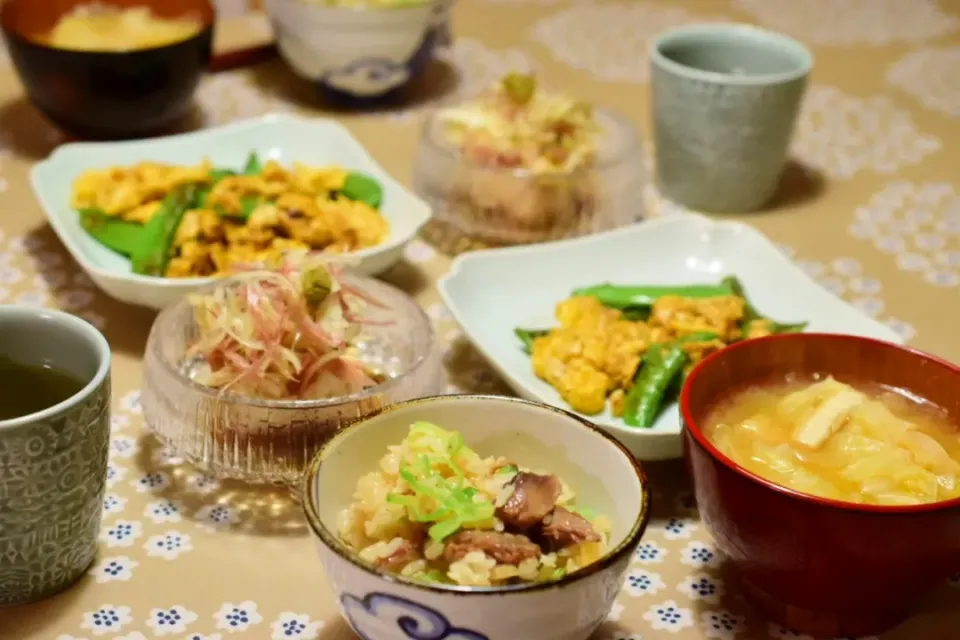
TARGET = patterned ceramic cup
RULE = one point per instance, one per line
(53, 463)
(725, 100)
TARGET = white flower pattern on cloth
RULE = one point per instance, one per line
(842, 134)
(151, 482)
(203, 483)
(114, 569)
(170, 620)
(231, 95)
(642, 583)
(702, 587)
(783, 633)
(200, 636)
(845, 277)
(123, 447)
(237, 617)
(677, 529)
(722, 624)
(610, 40)
(616, 612)
(294, 626)
(115, 473)
(419, 252)
(133, 635)
(700, 555)
(438, 312)
(33, 299)
(122, 533)
(649, 553)
(119, 422)
(164, 511)
(918, 225)
(930, 76)
(669, 616)
(165, 457)
(169, 545)
(852, 22)
(106, 619)
(113, 504)
(130, 402)
(217, 516)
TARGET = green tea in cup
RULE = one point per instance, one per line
(26, 388)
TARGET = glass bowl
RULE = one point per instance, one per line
(272, 441)
(478, 206)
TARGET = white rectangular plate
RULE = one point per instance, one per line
(284, 138)
(491, 292)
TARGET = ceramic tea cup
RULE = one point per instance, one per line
(725, 99)
(53, 461)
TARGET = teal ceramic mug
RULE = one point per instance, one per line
(725, 99)
(53, 461)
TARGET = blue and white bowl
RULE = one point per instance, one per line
(384, 606)
(362, 53)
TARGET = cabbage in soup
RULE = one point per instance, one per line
(833, 440)
(92, 28)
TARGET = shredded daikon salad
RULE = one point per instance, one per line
(517, 124)
(288, 333)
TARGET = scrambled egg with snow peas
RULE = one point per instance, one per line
(596, 350)
(237, 217)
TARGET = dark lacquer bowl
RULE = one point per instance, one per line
(107, 94)
(819, 566)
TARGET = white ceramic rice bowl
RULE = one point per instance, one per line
(383, 606)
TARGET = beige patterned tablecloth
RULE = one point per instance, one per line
(871, 210)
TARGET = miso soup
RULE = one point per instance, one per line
(856, 444)
(26, 389)
(93, 28)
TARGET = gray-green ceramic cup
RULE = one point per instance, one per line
(53, 463)
(725, 100)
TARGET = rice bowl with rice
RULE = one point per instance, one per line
(436, 511)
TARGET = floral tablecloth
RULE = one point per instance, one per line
(870, 209)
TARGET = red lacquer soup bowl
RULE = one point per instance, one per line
(819, 566)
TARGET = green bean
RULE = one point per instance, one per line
(660, 369)
(630, 296)
(114, 233)
(153, 254)
(527, 336)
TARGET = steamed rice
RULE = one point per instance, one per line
(405, 528)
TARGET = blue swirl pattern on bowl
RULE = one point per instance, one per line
(418, 622)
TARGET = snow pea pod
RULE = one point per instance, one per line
(362, 188)
(527, 336)
(631, 296)
(661, 363)
(115, 234)
(153, 253)
(661, 366)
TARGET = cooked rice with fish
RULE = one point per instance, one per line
(437, 511)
